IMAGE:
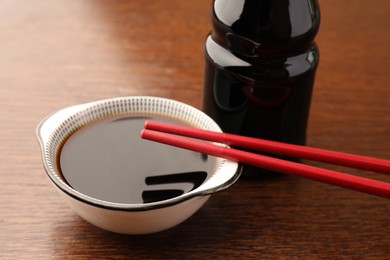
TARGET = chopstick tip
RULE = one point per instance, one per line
(142, 134)
(147, 122)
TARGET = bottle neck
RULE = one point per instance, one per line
(252, 28)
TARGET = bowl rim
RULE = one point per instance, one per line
(61, 122)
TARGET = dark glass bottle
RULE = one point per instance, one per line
(260, 67)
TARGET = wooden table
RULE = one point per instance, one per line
(59, 53)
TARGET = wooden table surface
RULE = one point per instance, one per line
(58, 53)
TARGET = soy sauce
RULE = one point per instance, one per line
(108, 160)
(260, 67)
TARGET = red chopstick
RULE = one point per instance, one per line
(154, 131)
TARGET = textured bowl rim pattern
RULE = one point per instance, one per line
(53, 131)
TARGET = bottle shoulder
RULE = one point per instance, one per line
(291, 65)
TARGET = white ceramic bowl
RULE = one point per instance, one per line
(137, 218)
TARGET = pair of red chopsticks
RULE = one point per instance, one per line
(157, 131)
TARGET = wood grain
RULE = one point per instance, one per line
(59, 53)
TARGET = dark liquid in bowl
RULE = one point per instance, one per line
(109, 161)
